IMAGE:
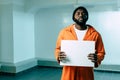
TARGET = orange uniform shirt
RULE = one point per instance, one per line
(76, 72)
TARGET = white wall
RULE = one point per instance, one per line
(48, 23)
(16, 34)
(23, 31)
(6, 33)
(107, 23)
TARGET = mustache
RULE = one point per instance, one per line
(79, 22)
(79, 19)
(84, 18)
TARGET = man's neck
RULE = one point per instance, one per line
(80, 27)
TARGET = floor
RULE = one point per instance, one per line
(50, 73)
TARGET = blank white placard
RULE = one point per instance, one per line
(77, 52)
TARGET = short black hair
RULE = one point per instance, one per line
(80, 7)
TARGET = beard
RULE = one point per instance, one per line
(81, 20)
(81, 23)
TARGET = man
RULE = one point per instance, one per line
(80, 31)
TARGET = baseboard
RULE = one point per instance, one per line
(27, 64)
(50, 63)
(17, 67)
(108, 67)
(102, 67)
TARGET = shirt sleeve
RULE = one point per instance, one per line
(99, 50)
(58, 45)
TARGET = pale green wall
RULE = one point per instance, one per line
(6, 35)
(18, 43)
(107, 23)
(16, 34)
(23, 31)
(49, 21)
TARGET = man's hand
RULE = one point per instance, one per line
(62, 56)
(93, 57)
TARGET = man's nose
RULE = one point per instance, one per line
(80, 15)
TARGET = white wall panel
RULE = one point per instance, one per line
(48, 23)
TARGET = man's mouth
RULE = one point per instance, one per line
(80, 19)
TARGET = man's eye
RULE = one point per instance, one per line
(78, 13)
(83, 14)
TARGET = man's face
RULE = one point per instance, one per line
(80, 16)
